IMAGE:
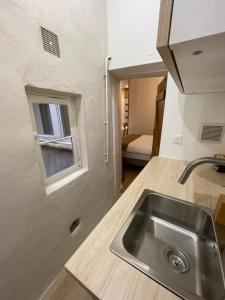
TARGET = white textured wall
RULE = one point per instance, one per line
(34, 227)
(184, 116)
(132, 31)
(142, 99)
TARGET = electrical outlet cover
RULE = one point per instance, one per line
(178, 139)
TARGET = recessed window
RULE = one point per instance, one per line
(56, 134)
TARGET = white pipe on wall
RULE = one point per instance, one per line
(106, 122)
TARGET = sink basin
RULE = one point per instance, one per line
(173, 242)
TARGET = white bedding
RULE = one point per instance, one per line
(138, 156)
(142, 145)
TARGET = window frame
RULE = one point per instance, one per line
(69, 102)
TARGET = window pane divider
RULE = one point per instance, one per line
(54, 140)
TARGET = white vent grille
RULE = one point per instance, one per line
(50, 42)
(212, 133)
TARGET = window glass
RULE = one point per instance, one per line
(65, 119)
(54, 136)
(46, 120)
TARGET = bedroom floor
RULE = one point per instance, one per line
(130, 172)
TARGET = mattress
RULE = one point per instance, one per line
(141, 145)
(139, 156)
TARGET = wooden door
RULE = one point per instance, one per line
(159, 112)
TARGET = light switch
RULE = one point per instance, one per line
(178, 139)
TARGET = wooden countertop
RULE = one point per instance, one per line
(109, 277)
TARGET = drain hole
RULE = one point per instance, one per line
(74, 226)
(178, 261)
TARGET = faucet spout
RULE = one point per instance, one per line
(199, 161)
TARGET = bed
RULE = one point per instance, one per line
(137, 149)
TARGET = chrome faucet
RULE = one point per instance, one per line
(199, 161)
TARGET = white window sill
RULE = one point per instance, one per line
(56, 185)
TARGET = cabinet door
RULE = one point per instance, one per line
(194, 19)
(191, 42)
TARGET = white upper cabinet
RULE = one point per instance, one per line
(191, 41)
(195, 19)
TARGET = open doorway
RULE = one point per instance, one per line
(141, 116)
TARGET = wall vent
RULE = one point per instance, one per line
(50, 42)
(212, 133)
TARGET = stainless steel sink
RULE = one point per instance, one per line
(173, 242)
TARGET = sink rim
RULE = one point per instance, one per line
(117, 246)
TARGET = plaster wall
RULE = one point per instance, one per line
(132, 32)
(184, 115)
(34, 226)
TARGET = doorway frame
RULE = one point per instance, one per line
(114, 80)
